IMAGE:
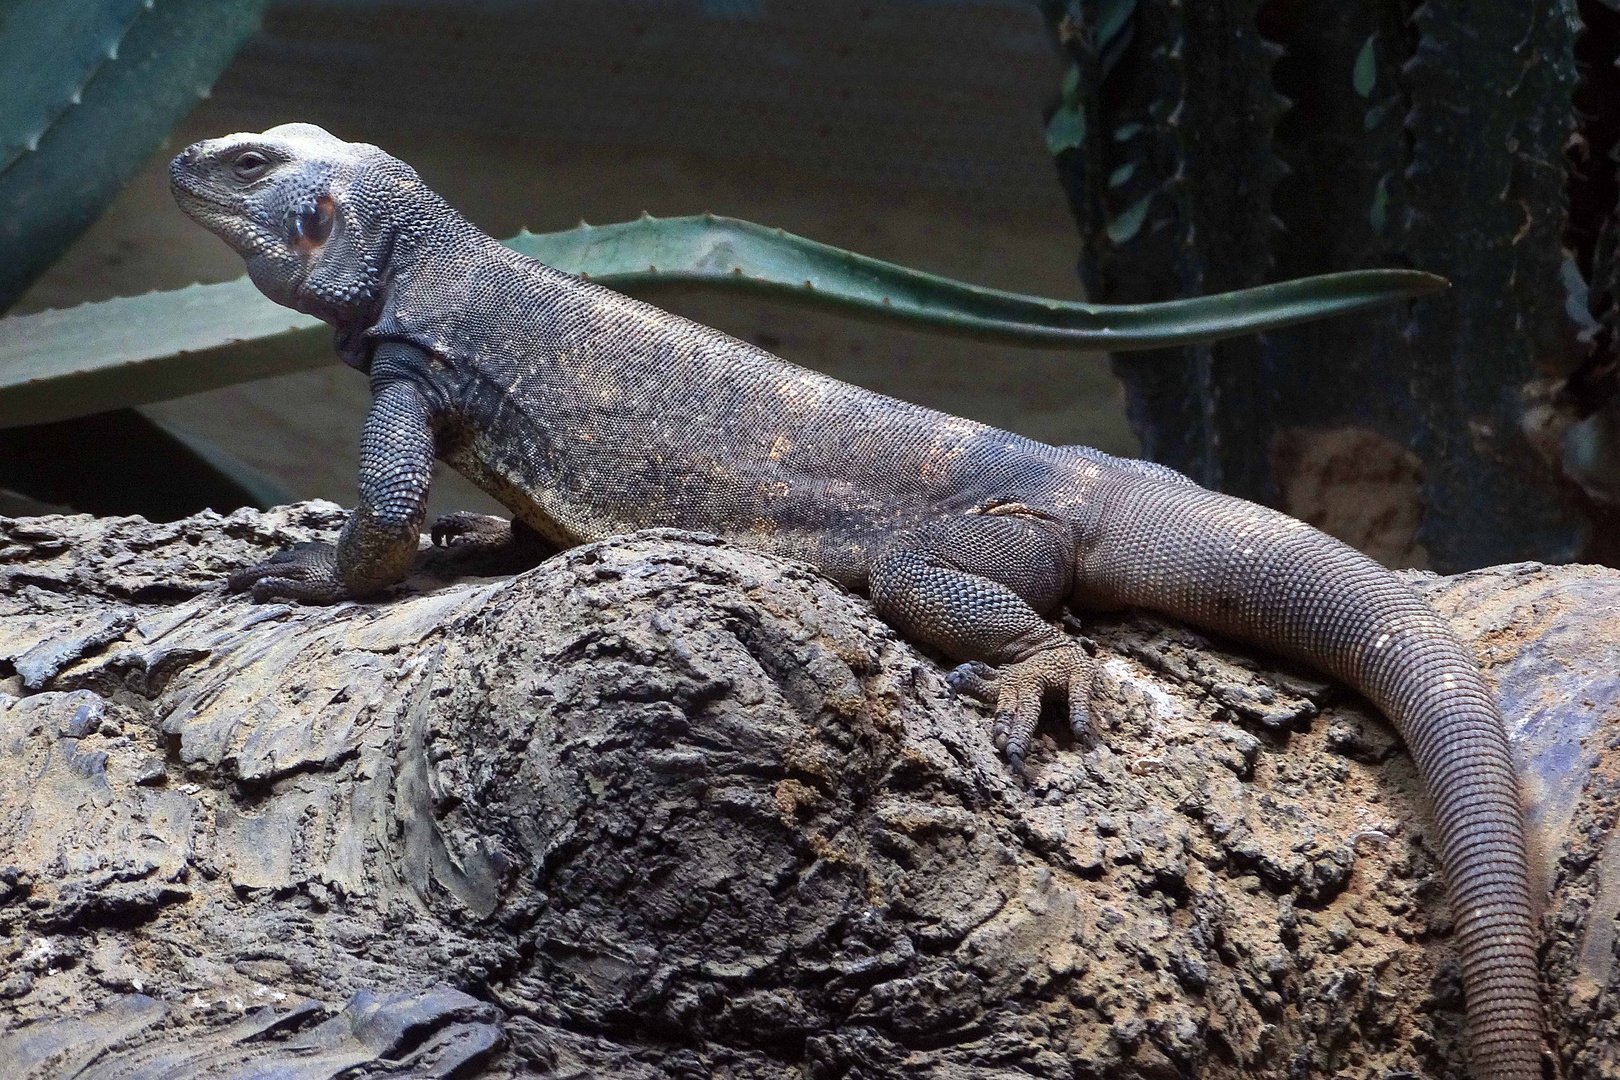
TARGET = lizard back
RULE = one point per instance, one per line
(589, 412)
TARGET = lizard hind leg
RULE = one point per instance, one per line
(974, 587)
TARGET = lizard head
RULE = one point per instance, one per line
(306, 210)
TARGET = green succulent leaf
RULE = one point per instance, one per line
(1378, 213)
(1071, 84)
(88, 90)
(1114, 51)
(1122, 175)
(1129, 223)
(133, 350)
(56, 365)
(1365, 74)
(1066, 130)
(79, 36)
(1111, 19)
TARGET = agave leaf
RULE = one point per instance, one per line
(79, 37)
(639, 256)
(139, 349)
(88, 90)
(55, 365)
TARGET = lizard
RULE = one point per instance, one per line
(589, 414)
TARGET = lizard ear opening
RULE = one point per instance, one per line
(310, 223)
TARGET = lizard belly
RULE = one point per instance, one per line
(560, 497)
(534, 494)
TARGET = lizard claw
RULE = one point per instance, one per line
(1021, 687)
(304, 572)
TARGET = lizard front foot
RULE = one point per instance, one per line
(1017, 691)
(304, 572)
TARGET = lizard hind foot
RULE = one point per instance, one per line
(303, 572)
(1017, 690)
(467, 529)
(469, 543)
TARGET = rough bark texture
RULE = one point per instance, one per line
(663, 807)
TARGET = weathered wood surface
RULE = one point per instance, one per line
(662, 807)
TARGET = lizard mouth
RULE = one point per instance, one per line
(203, 204)
(192, 191)
(195, 199)
(216, 214)
(199, 206)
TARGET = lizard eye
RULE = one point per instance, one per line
(250, 165)
(310, 223)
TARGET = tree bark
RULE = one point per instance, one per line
(660, 807)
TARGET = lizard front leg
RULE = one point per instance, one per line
(974, 588)
(379, 542)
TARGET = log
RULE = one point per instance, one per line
(660, 806)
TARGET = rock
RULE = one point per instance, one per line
(661, 807)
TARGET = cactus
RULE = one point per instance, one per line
(1172, 190)
(1308, 136)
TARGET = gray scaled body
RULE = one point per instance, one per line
(588, 414)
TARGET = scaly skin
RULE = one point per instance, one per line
(591, 414)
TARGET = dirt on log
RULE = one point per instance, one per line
(662, 807)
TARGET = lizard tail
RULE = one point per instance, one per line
(1245, 571)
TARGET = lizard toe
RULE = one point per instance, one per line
(1018, 711)
(1082, 684)
(974, 679)
(269, 589)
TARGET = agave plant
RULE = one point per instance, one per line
(60, 364)
(88, 90)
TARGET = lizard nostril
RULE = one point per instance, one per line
(183, 163)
